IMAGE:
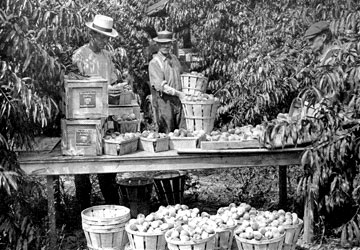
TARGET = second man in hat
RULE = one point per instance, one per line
(165, 84)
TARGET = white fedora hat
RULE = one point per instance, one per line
(104, 25)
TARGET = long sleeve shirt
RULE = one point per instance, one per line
(91, 63)
(162, 68)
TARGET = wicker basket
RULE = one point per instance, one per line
(170, 187)
(193, 84)
(104, 226)
(200, 115)
(154, 145)
(224, 238)
(146, 241)
(112, 147)
(292, 235)
(272, 244)
(136, 193)
(205, 244)
(127, 126)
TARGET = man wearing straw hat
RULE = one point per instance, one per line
(165, 85)
(94, 59)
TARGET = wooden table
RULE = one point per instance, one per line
(53, 164)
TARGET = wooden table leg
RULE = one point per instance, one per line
(283, 187)
(51, 211)
(309, 217)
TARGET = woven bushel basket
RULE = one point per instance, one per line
(135, 193)
(204, 244)
(169, 187)
(292, 233)
(145, 241)
(193, 84)
(200, 115)
(224, 238)
(126, 126)
(272, 244)
(104, 227)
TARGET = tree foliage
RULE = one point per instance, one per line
(252, 51)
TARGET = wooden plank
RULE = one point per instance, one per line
(230, 144)
(146, 161)
(241, 151)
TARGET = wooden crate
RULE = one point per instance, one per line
(209, 145)
(123, 98)
(86, 99)
(127, 126)
(82, 137)
(112, 147)
(185, 142)
(154, 145)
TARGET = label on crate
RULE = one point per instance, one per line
(87, 99)
(83, 137)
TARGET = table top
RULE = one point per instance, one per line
(53, 163)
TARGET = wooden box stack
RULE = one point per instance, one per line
(86, 108)
(89, 115)
(123, 117)
(121, 111)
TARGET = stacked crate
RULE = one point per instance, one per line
(124, 111)
(86, 109)
(200, 112)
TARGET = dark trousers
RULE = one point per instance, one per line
(168, 111)
(108, 187)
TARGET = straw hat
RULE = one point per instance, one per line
(316, 29)
(164, 37)
(103, 25)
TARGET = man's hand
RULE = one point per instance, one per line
(181, 95)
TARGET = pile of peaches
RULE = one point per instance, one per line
(180, 223)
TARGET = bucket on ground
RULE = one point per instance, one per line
(135, 193)
(104, 226)
(170, 186)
